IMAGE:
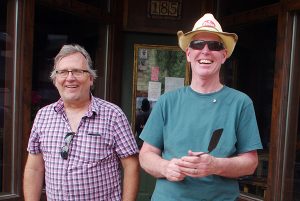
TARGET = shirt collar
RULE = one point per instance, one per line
(59, 106)
(93, 107)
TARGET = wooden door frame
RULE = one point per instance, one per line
(277, 184)
(292, 113)
(282, 115)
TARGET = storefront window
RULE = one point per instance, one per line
(7, 89)
(297, 163)
(48, 39)
(296, 183)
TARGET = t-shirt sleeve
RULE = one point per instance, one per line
(248, 136)
(153, 131)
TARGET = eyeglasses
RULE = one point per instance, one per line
(212, 45)
(75, 72)
(64, 151)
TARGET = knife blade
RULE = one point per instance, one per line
(214, 140)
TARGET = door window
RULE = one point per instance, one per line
(295, 57)
(8, 90)
(53, 29)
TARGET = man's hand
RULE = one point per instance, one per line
(205, 165)
(172, 171)
(152, 162)
(197, 166)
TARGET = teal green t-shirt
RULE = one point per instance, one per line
(184, 120)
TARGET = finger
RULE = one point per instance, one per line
(188, 162)
(176, 179)
(186, 170)
(189, 171)
(176, 176)
(191, 159)
(203, 158)
(193, 173)
(191, 153)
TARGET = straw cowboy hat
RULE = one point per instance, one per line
(209, 24)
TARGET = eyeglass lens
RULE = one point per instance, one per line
(64, 152)
(74, 72)
(212, 45)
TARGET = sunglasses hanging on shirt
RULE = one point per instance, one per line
(64, 151)
(212, 45)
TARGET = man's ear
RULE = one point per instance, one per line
(224, 56)
(92, 82)
(54, 81)
(187, 53)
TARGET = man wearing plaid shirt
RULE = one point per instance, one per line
(79, 143)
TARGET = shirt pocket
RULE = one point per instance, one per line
(93, 147)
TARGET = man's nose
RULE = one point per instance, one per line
(205, 49)
(70, 75)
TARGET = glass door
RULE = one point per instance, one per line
(293, 145)
(296, 183)
(291, 162)
(54, 28)
(9, 105)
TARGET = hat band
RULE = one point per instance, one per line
(207, 28)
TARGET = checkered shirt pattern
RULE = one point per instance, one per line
(92, 170)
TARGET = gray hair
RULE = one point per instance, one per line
(67, 50)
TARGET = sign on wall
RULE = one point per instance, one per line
(167, 9)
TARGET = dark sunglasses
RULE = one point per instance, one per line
(64, 151)
(212, 45)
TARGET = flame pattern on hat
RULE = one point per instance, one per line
(208, 23)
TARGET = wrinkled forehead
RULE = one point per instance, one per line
(207, 36)
(72, 59)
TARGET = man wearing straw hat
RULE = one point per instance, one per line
(180, 127)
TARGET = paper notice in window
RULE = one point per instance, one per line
(172, 83)
(154, 91)
(154, 73)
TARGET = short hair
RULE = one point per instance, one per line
(67, 50)
(145, 105)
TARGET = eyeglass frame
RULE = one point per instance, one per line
(210, 44)
(64, 150)
(81, 72)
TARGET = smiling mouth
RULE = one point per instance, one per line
(71, 86)
(205, 61)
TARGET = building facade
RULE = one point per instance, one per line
(265, 65)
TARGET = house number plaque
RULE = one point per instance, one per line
(170, 9)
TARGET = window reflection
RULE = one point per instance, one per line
(54, 28)
(296, 192)
(6, 73)
(297, 163)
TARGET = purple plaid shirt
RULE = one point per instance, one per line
(92, 170)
